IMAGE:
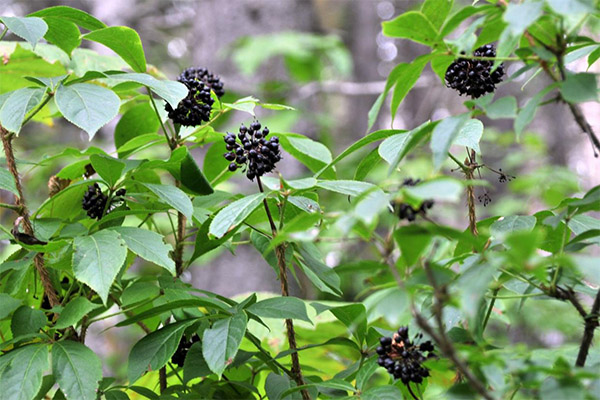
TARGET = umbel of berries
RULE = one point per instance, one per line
(403, 358)
(406, 211)
(94, 201)
(182, 350)
(252, 150)
(475, 77)
(197, 105)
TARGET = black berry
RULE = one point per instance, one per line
(196, 107)
(406, 211)
(253, 150)
(474, 77)
(94, 201)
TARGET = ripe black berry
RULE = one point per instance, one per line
(474, 77)
(402, 358)
(182, 350)
(196, 107)
(94, 201)
(406, 211)
(252, 150)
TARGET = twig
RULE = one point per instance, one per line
(38, 260)
(591, 323)
(289, 324)
(470, 164)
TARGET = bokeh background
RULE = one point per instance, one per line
(329, 60)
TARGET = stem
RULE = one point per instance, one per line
(591, 323)
(470, 163)
(170, 141)
(3, 33)
(411, 392)
(38, 261)
(11, 207)
(289, 324)
(162, 379)
(489, 310)
(38, 108)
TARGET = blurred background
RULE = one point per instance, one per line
(329, 60)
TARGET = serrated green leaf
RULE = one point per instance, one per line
(110, 169)
(74, 311)
(222, 341)
(443, 189)
(27, 320)
(154, 350)
(195, 365)
(74, 15)
(512, 223)
(578, 88)
(406, 77)
(172, 196)
(412, 25)
(31, 29)
(172, 92)
(76, 369)
(443, 135)
(136, 121)
(470, 134)
(148, 245)
(192, 177)
(63, 34)
(504, 107)
(280, 307)
(22, 378)
(7, 181)
(519, 16)
(97, 260)
(8, 304)
(395, 148)
(311, 148)
(234, 214)
(88, 106)
(16, 104)
(436, 11)
(347, 187)
(125, 42)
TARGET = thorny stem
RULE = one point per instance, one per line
(591, 323)
(469, 163)
(38, 260)
(289, 324)
(442, 339)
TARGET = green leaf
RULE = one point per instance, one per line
(125, 42)
(172, 196)
(63, 34)
(412, 240)
(148, 245)
(16, 104)
(234, 214)
(443, 135)
(192, 177)
(31, 29)
(578, 88)
(354, 316)
(172, 92)
(110, 169)
(322, 276)
(8, 304)
(276, 385)
(280, 307)
(412, 25)
(520, 16)
(388, 392)
(22, 378)
(365, 372)
(76, 369)
(311, 148)
(395, 148)
(527, 113)
(406, 77)
(88, 106)
(7, 181)
(97, 260)
(347, 187)
(470, 134)
(569, 7)
(222, 341)
(593, 57)
(370, 138)
(27, 320)
(137, 121)
(512, 223)
(195, 365)
(443, 189)
(367, 164)
(583, 223)
(436, 11)
(74, 311)
(505, 107)
(154, 350)
(74, 15)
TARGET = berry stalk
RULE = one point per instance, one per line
(289, 324)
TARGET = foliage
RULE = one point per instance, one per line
(462, 289)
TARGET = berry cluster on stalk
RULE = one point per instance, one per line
(182, 350)
(408, 212)
(252, 149)
(475, 77)
(196, 106)
(94, 201)
(403, 358)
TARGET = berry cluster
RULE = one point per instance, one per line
(406, 211)
(402, 358)
(252, 149)
(197, 105)
(182, 350)
(474, 77)
(94, 201)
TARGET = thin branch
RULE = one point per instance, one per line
(591, 323)
(289, 324)
(38, 260)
